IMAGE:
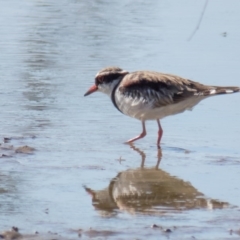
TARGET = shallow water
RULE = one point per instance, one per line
(80, 175)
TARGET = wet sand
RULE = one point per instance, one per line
(65, 172)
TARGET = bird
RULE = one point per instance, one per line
(150, 95)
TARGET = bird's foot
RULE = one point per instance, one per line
(143, 134)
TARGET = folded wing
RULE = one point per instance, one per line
(159, 88)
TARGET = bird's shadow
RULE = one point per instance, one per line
(149, 191)
(143, 155)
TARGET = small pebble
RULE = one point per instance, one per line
(6, 139)
(15, 229)
(24, 149)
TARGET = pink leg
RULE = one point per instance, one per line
(160, 133)
(143, 134)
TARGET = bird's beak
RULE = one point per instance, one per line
(92, 89)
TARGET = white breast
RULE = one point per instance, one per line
(144, 110)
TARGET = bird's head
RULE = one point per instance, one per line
(106, 80)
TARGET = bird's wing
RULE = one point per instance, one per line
(159, 88)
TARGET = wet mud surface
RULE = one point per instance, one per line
(65, 172)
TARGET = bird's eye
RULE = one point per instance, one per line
(100, 79)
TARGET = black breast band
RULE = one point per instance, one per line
(113, 97)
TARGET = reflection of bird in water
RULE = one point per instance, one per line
(148, 95)
(150, 191)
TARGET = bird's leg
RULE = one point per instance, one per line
(160, 133)
(143, 134)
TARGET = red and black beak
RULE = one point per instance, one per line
(91, 90)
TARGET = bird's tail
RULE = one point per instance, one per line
(214, 90)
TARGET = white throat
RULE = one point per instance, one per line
(107, 88)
